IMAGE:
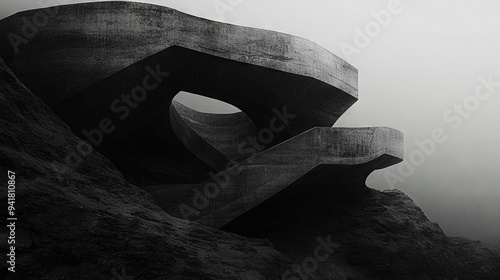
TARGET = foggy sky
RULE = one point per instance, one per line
(428, 58)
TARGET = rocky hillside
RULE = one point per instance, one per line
(376, 235)
(78, 218)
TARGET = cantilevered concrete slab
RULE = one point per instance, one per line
(231, 193)
(89, 62)
(83, 44)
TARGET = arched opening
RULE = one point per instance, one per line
(205, 104)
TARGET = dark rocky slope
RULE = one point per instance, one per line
(378, 235)
(94, 222)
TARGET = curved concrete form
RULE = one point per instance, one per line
(112, 69)
(213, 138)
(83, 44)
(88, 58)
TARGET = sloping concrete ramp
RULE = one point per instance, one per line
(244, 185)
(110, 70)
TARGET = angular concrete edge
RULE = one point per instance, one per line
(334, 145)
(97, 51)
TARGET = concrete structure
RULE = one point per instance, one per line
(213, 138)
(111, 70)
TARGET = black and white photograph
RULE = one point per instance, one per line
(250, 139)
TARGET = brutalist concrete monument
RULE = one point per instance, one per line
(111, 69)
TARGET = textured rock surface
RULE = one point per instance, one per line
(380, 235)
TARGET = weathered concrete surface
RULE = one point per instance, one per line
(344, 155)
(251, 182)
(85, 43)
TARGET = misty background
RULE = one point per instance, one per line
(428, 58)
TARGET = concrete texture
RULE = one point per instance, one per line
(253, 181)
(85, 43)
(88, 56)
